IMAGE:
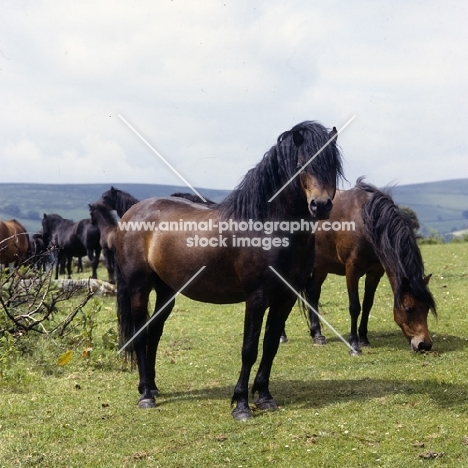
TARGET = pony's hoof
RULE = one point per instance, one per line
(355, 352)
(146, 403)
(319, 340)
(266, 405)
(155, 392)
(364, 344)
(243, 414)
(283, 339)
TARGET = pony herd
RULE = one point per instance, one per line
(295, 180)
(61, 240)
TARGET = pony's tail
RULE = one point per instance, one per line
(124, 313)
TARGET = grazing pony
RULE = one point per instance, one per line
(14, 243)
(71, 240)
(106, 221)
(294, 182)
(382, 241)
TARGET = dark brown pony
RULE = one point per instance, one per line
(166, 261)
(105, 219)
(382, 241)
(14, 243)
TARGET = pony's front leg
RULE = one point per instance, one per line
(313, 290)
(254, 311)
(69, 266)
(277, 317)
(93, 256)
(372, 281)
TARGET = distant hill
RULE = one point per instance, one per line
(440, 206)
(28, 202)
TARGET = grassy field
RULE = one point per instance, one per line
(390, 407)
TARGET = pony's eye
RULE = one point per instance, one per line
(408, 309)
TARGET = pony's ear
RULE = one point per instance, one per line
(301, 160)
(113, 189)
(427, 278)
(298, 138)
(45, 216)
(333, 134)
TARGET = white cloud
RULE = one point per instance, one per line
(212, 84)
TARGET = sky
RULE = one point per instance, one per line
(210, 84)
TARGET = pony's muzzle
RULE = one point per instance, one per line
(320, 209)
(421, 344)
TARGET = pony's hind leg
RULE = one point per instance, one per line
(132, 301)
(313, 290)
(164, 304)
(94, 256)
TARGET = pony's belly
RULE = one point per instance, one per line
(215, 297)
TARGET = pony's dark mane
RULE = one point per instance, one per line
(56, 218)
(104, 211)
(119, 200)
(250, 199)
(193, 198)
(389, 231)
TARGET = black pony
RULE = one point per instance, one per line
(302, 169)
(106, 220)
(71, 239)
(41, 256)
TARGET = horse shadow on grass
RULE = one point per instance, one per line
(442, 343)
(322, 393)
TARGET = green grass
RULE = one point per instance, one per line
(389, 407)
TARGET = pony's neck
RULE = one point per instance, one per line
(125, 203)
(104, 219)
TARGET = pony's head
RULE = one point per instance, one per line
(319, 163)
(49, 223)
(109, 197)
(410, 313)
(93, 207)
(297, 176)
